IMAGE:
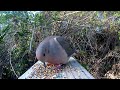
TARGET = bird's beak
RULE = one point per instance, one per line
(44, 64)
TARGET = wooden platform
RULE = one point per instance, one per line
(72, 70)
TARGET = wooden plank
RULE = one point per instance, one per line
(65, 73)
(72, 70)
(68, 72)
(86, 73)
(60, 75)
(29, 72)
(83, 73)
(75, 65)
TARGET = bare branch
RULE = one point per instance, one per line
(31, 39)
(12, 65)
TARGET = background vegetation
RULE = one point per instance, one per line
(94, 34)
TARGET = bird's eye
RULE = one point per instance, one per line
(44, 54)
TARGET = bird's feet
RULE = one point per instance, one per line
(49, 64)
(56, 66)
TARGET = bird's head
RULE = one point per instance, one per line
(42, 51)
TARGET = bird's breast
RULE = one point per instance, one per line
(57, 54)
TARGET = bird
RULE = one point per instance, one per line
(54, 50)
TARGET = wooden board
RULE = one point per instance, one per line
(72, 70)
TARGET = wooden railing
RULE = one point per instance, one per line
(72, 70)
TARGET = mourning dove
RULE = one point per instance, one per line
(54, 50)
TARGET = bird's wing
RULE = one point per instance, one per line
(57, 55)
(66, 45)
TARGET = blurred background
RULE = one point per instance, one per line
(94, 34)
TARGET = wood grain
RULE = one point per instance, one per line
(72, 70)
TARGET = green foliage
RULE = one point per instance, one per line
(85, 66)
(55, 15)
(3, 32)
(119, 34)
(17, 29)
(83, 53)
